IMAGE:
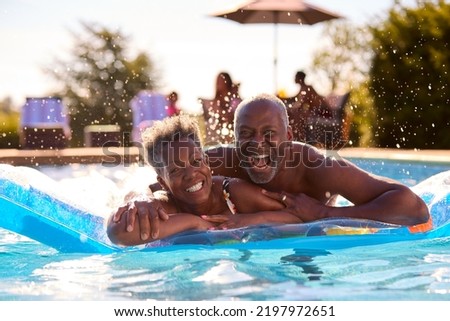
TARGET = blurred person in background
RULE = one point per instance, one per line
(219, 112)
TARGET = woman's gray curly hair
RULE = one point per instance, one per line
(162, 133)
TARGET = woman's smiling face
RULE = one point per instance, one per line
(186, 173)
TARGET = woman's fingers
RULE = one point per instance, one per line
(224, 226)
(215, 218)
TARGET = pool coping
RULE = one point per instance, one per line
(87, 155)
(127, 155)
(415, 155)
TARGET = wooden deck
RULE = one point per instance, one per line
(126, 155)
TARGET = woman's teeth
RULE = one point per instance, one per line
(195, 188)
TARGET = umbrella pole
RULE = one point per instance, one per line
(275, 53)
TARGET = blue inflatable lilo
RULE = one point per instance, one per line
(30, 206)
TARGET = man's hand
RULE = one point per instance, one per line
(301, 205)
(149, 212)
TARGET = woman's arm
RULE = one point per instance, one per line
(259, 218)
(253, 207)
(179, 222)
(122, 231)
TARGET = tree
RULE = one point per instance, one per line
(410, 76)
(99, 81)
(363, 116)
(343, 59)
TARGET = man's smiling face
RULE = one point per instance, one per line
(261, 137)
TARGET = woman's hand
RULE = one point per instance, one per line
(203, 225)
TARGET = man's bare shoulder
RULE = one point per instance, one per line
(314, 161)
(320, 166)
(306, 154)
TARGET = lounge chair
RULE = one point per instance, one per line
(147, 107)
(44, 124)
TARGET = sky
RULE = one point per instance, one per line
(187, 45)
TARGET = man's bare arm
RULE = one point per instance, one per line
(374, 197)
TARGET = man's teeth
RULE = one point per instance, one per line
(195, 188)
(261, 156)
(260, 160)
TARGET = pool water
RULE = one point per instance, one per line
(413, 270)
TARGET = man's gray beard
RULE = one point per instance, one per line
(262, 178)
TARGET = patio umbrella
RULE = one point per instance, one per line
(275, 12)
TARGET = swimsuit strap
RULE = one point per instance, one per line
(226, 195)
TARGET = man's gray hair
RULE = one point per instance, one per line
(264, 98)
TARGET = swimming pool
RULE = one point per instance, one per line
(418, 270)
